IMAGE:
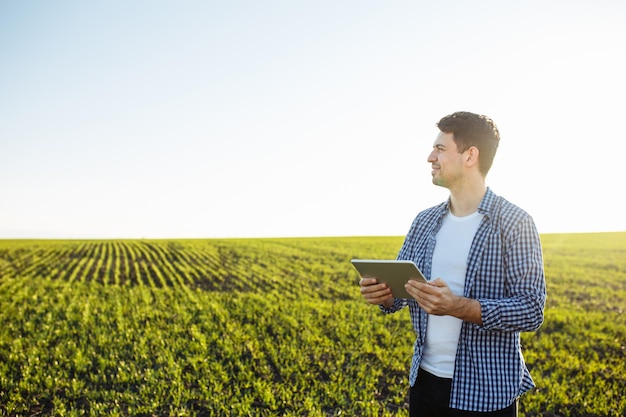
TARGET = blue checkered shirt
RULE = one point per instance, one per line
(505, 274)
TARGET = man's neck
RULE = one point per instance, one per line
(466, 200)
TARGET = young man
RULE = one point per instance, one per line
(484, 262)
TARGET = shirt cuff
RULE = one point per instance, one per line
(398, 303)
(490, 314)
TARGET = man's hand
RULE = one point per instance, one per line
(375, 293)
(436, 298)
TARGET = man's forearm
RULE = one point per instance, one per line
(468, 309)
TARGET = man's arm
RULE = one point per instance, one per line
(435, 297)
(525, 286)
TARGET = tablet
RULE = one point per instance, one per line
(393, 273)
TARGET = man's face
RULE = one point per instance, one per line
(446, 161)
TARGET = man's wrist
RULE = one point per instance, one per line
(468, 309)
(388, 303)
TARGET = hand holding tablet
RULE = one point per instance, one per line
(392, 272)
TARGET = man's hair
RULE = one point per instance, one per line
(470, 129)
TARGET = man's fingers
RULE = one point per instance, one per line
(375, 289)
(367, 281)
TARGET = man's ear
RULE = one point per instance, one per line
(471, 156)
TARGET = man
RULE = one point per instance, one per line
(482, 256)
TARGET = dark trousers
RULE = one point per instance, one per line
(430, 396)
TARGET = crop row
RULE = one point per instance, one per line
(212, 265)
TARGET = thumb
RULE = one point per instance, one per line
(438, 282)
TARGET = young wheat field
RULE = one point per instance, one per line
(265, 327)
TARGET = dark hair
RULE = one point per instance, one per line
(470, 129)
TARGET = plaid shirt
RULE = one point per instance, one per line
(505, 273)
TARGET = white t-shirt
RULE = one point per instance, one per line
(454, 240)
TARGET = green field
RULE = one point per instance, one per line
(263, 327)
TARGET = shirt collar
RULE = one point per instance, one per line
(486, 206)
(488, 203)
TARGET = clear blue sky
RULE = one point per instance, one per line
(300, 118)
